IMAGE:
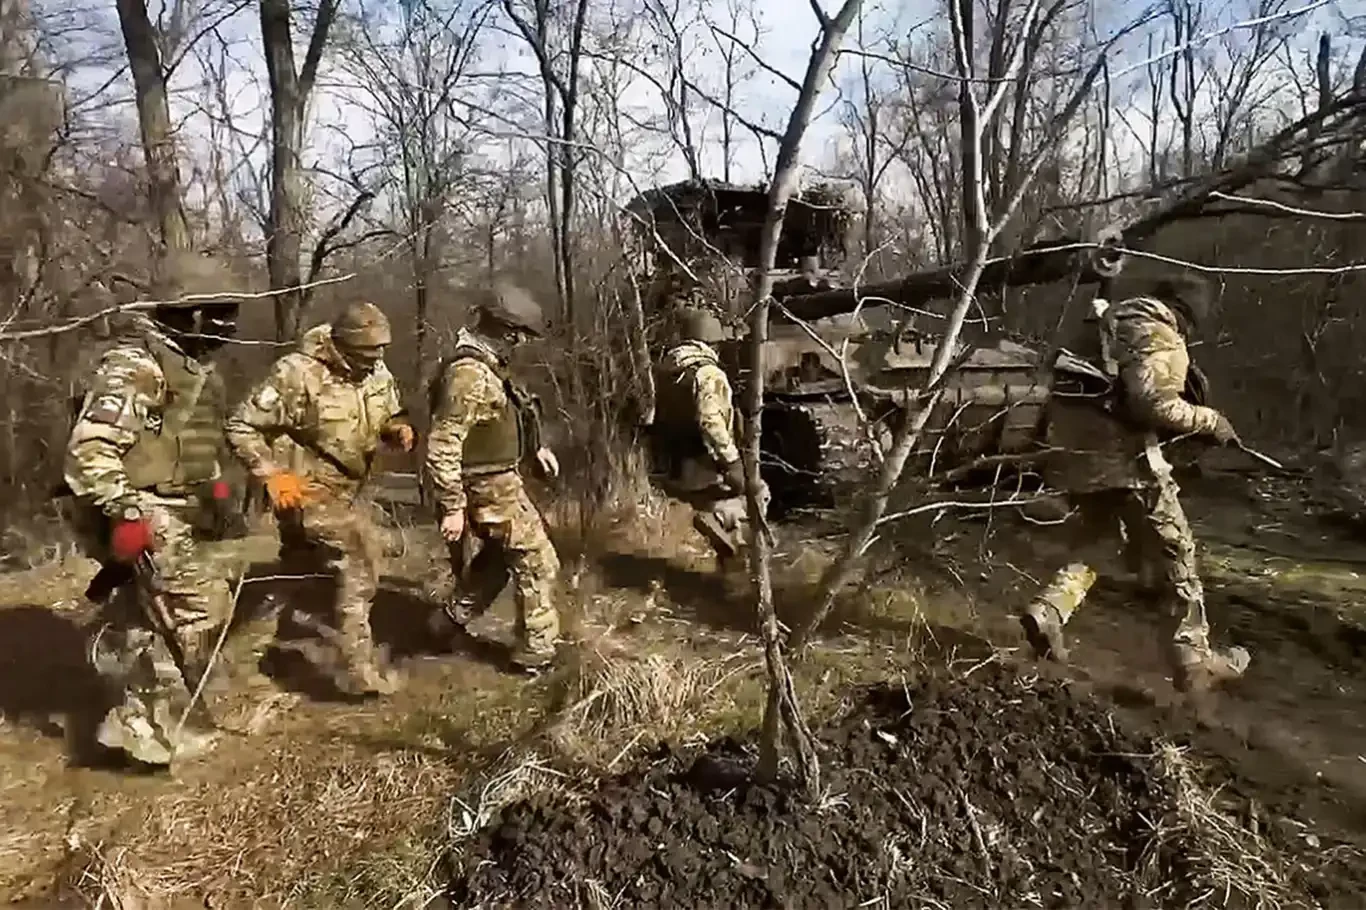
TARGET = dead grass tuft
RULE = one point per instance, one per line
(307, 824)
(519, 775)
(615, 698)
(109, 880)
(1228, 858)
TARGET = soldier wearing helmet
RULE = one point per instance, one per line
(146, 441)
(694, 433)
(484, 427)
(310, 432)
(1109, 459)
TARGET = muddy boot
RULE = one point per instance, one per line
(1046, 616)
(1043, 628)
(151, 738)
(129, 730)
(1202, 669)
(709, 526)
(362, 675)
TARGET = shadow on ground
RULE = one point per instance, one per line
(301, 654)
(46, 683)
(712, 598)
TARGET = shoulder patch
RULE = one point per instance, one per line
(106, 409)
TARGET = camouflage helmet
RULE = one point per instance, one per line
(700, 324)
(513, 306)
(361, 325)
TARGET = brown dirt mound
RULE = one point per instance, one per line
(995, 791)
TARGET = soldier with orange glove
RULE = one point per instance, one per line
(310, 432)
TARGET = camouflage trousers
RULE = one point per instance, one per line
(334, 537)
(1158, 544)
(133, 651)
(513, 545)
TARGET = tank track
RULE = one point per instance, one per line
(813, 451)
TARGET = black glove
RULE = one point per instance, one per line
(734, 475)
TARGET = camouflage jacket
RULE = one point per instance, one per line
(1146, 355)
(695, 399)
(139, 427)
(311, 415)
(475, 405)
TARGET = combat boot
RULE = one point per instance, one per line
(1043, 628)
(362, 674)
(1046, 616)
(1201, 669)
(709, 526)
(366, 678)
(153, 740)
(127, 730)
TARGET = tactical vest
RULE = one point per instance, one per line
(497, 445)
(1196, 389)
(1119, 428)
(182, 452)
(676, 427)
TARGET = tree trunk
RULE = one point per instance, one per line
(783, 712)
(289, 91)
(158, 143)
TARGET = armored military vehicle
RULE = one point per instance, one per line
(821, 375)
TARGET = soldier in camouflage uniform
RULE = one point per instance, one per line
(145, 442)
(694, 432)
(310, 432)
(483, 427)
(1114, 470)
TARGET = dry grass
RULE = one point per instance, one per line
(305, 823)
(1228, 858)
(616, 698)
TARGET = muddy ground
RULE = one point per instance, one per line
(317, 802)
(980, 790)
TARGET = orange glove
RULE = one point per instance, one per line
(401, 435)
(286, 490)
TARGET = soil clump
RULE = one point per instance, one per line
(998, 790)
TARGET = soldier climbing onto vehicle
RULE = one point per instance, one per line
(310, 432)
(484, 426)
(145, 442)
(694, 431)
(1111, 465)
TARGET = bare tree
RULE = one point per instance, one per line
(154, 122)
(290, 88)
(424, 136)
(736, 35)
(879, 139)
(986, 227)
(783, 711)
(559, 72)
